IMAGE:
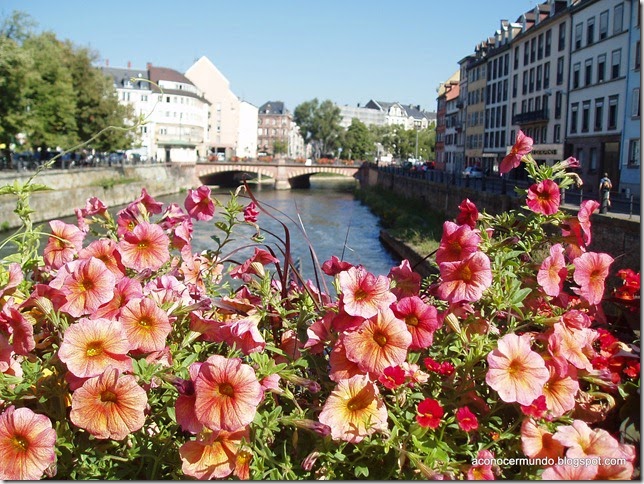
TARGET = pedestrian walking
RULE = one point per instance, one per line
(605, 186)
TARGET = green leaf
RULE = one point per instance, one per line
(361, 471)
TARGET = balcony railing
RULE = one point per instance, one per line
(530, 117)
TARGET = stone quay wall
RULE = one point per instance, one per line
(614, 234)
(70, 189)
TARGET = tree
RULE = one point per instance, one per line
(358, 141)
(279, 147)
(319, 124)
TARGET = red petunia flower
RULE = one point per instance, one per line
(544, 197)
(522, 146)
(430, 413)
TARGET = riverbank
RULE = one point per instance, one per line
(70, 189)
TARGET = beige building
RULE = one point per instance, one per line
(230, 122)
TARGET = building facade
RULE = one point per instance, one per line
(275, 125)
(247, 132)
(597, 88)
(475, 107)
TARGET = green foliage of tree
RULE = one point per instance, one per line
(53, 94)
(279, 147)
(319, 124)
(357, 142)
(401, 143)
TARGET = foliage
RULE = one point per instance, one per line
(319, 124)
(279, 147)
(131, 357)
(53, 94)
(357, 142)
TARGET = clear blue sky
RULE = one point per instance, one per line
(348, 51)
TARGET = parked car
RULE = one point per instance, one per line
(472, 172)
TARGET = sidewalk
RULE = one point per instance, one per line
(622, 216)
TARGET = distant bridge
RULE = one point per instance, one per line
(286, 175)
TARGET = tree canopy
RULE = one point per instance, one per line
(319, 124)
(51, 93)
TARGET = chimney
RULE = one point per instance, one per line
(148, 65)
(107, 62)
(129, 65)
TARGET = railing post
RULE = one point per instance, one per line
(630, 210)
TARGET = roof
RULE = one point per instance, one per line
(158, 74)
(123, 76)
(273, 107)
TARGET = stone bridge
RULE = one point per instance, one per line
(285, 175)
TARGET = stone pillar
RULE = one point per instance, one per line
(281, 179)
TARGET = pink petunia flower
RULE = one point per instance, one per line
(483, 469)
(465, 280)
(560, 393)
(341, 367)
(574, 345)
(27, 442)
(63, 244)
(537, 408)
(392, 377)
(228, 393)
(251, 213)
(109, 406)
(146, 247)
(591, 270)
(544, 197)
(125, 290)
(468, 213)
(467, 421)
(87, 287)
(379, 342)
(107, 252)
(13, 322)
(553, 271)
(457, 242)
(90, 346)
(364, 294)
(430, 413)
(354, 410)
(406, 281)
(517, 373)
(334, 266)
(147, 202)
(570, 472)
(254, 265)
(145, 324)
(522, 146)
(421, 320)
(199, 204)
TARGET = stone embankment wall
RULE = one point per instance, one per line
(615, 235)
(70, 189)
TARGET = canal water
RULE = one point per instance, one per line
(335, 223)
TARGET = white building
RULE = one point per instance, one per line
(247, 131)
(175, 112)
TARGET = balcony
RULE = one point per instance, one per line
(531, 117)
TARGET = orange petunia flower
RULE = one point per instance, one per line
(109, 406)
(92, 345)
(354, 410)
(87, 287)
(379, 342)
(27, 442)
(213, 455)
(227, 393)
(145, 247)
(537, 442)
(63, 244)
(146, 324)
(364, 293)
(591, 271)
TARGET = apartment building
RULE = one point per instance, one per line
(597, 88)
(275, 124)
(367, 115)
(540, 59)
(381, 113)
(444, 90)
(475, 70)
(629, 181)
(175, 110)
(232, 123)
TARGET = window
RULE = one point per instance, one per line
(548, 41)
(615, 60)
(585, 116)
(557, 133)
(635, 106)
(516, 58)
(540, 47)
(562, 37)
(588, 74)
(506, 64)
(537, 104)
(575, 75)
(573, 117)
(612, 112)
(539, 71)
(634, 152)
(526, 53)
(601, 68)
(524, 89)
(618, 18)
(637, 61)
(590, 31)
(515, 81)
(505, 89)
(560, 71)
(599, 114)
(558, 102)
(578, 30)
(531, 84)
(533, 49)
(593, 160)
(546, 75)
(603, 25)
